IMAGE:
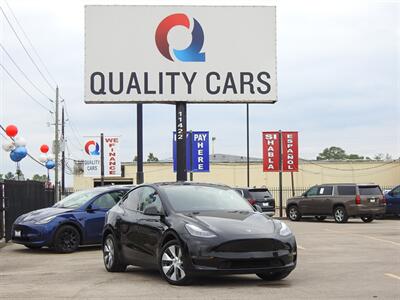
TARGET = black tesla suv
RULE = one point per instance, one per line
(187, 229)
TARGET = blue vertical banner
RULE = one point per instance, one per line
(197, 148)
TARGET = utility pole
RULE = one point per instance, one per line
(139, 128)
(56, 150)
(62, 153)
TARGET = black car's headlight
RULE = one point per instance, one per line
(45, 220)
(199, 232)
(285, 230)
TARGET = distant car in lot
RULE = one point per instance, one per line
(338, 200)
(76, 220)
(259, 196)
(184, 229)
(393, 201)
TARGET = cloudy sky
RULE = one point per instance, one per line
(338, 83)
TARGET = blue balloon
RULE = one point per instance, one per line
(21, 152)
(14, 156)
(50, 164)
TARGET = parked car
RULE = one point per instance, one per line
(341, 201)
(184, 229)
(76, 220)
(259, 196)
(393, 201)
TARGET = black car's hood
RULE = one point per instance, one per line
(237, 223)
(40, 214)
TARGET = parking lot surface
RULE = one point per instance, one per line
(347, 261)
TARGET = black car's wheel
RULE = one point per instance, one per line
(320, 218)
(171, 264)
(67, 239)
(367, 219)
(293, 213)
(340, 214)
(273, 276)
(111, 256)
(33, 246)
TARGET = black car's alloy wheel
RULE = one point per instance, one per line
(293, 213)
(67, 239)
(111, 257)
(367, 219)
(172, 264)
(320, 218)
(340, 214)
(273, 276)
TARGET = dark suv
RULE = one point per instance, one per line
(338, 200)
(261, 197)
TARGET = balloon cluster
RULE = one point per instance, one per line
(16, 146)
(47, 159)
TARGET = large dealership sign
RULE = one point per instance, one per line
(180, 53)
(289, 151)
(92, 161)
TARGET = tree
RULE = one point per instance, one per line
(9, 176)
(381, 156)
(332, 153)
(336, 153)
(151, 157)
(37, 177)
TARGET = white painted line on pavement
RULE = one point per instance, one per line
(392, 275)
(301, 247)
(365, 236)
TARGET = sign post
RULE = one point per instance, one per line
(101, 159)
(139, 157)
(181, 171)
(281, 154)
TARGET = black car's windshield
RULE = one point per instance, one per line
(205, 198)
(77, 199)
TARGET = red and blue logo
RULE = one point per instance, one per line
(92, 148)
(193, 52)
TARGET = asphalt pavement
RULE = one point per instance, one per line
(336, 261)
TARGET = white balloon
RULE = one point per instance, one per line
(50, 156)
(8, 146)
(20, 142)
(43, 157)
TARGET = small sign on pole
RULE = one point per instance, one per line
(198, 142)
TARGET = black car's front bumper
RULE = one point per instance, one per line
(245, 256)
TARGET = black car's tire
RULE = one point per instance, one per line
(293, 213)
(340, 214)
(33, 247)
(367, 219)
(320, 218)
(111, 256)
(66, 239)
(273, 276)
(171, 264)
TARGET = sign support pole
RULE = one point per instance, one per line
(248, 145)
(191, 154)
(181, 172)
(280, 174)
(139, 128)
(291, 175)
(101, 159)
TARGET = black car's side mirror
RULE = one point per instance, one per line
(152, 211)
(258, 208)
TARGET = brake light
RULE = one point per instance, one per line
(358, 199)
(383, 200)
(252, 201)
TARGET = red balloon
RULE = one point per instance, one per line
(44, 148)
(11, 130)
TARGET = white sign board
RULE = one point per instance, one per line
(180, 53)
(112, 164)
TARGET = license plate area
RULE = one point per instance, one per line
(265, 204)
(372, 200)
(17, 233)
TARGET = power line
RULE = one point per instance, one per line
(23, 73)
(26, 50)
(25, 91)
(30, 42)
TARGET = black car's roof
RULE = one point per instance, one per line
(189, 183)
